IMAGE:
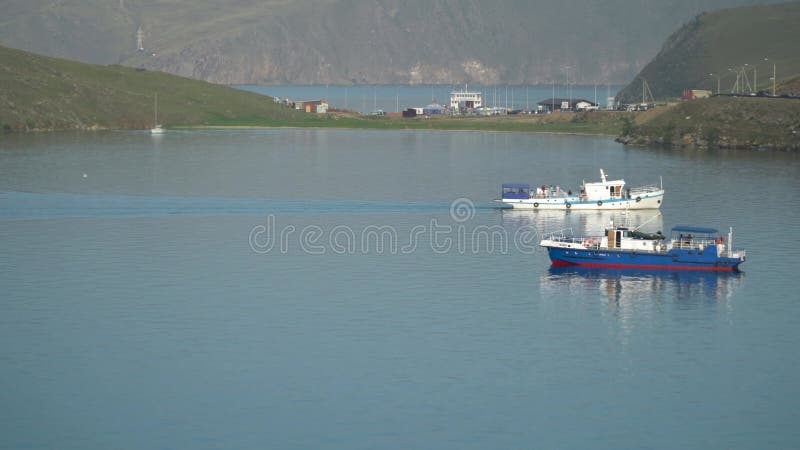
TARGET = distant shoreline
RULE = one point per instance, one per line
(266, 127)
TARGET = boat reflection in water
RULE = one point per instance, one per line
(625, 286)
(582, 223)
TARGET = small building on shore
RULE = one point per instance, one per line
(433, 109)
(693, 94)
(565, 104)
(410, 112)
(312, 106)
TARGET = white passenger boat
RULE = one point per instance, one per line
(602, 195)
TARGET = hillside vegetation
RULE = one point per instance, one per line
(353, 41)
(720, 122)
(789, 86)
(716, 45)
(43, 93)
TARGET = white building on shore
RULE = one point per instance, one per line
(462, 100)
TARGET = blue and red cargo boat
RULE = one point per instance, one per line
(687, 248)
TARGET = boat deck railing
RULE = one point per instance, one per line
(701, 244)
(691, 244)
(556, 194)
(644, 189)
(562, 235)
(735, 253)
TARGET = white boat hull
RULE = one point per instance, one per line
(650, 200)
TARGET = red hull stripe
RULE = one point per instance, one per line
(643, 266)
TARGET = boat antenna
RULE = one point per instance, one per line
(730, 241)
(627, 216)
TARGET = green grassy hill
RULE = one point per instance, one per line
(714, 46)
(720, 122)
(42, 93)
(789, 86)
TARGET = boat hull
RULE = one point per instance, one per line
(625, 259)
(646, 201)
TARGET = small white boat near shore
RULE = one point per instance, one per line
(601, 195)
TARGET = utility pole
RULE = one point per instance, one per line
(569, 92)
(745, 80)
(755, 78)
(715, 75)
(647, 92)
(773, 79)
(526, 99)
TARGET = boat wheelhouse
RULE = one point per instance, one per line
(687, 248)
(601, 195)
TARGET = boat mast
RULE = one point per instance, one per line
(730, 241)
(155, 117)
(647, 221)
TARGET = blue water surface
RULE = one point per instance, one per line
(299, 288)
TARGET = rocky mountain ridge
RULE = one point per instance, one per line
(357, 42)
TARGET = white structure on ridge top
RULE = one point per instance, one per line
(140, 39)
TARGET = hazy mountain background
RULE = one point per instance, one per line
(358, 41)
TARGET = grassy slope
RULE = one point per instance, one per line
(714, 42)
(599, 123)
(789, 86)
(38, 92)
(744, 122)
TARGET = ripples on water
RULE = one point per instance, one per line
(136, 314)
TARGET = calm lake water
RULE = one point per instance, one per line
(300, 288)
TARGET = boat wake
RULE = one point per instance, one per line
(25, 205)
